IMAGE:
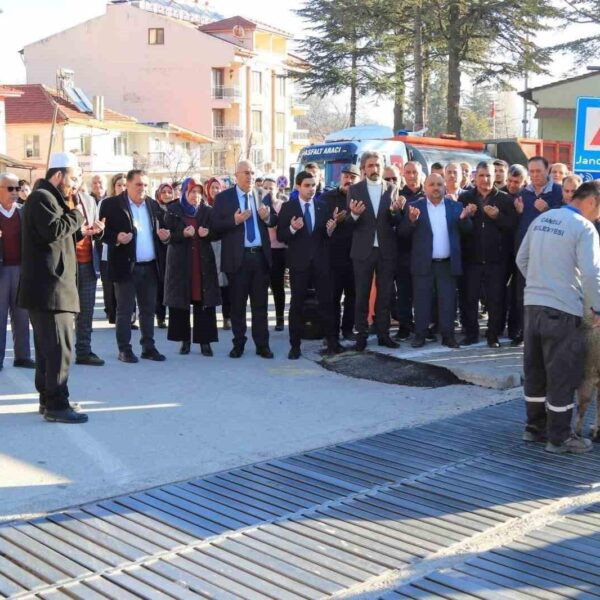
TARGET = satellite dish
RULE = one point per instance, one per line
(238, 32)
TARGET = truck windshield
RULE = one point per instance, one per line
(332, 171)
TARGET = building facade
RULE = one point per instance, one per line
(41, 120)
(228, 79)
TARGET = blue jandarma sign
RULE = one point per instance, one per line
(586, 150)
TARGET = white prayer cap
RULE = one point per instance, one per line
(63, 160)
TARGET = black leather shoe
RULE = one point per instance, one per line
(418, 341)
(279, 324)
(294, 353)
(128, 357)
(67, 415)
(91, 360)
(402, 334)
(387, 342)
(334, 347)
(185, 348)
(264, 352)
(24, 363)
(516, 342)
(348, 336)
(361, 344)
(469, 340)
(206, 350)
(161, 324)
(450, 342)
(493, 343)
(430, 336)
(153, 354)
(236, 352)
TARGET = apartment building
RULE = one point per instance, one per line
(228, 79)
(40, 120)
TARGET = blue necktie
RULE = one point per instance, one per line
(250, 230)
(307, 218)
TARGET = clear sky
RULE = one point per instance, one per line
(26, 21)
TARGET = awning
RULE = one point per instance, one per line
(188, 134)
(13, 163)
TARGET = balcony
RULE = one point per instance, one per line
(153, 161)
(228, 132)
(232, 93)
(299, 138)
(298, 106)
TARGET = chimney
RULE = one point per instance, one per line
(98, 107)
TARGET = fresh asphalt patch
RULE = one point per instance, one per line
(389, 369)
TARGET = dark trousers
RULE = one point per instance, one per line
(491, 277)
(300, 280)
(141, 286)
(108, 292)
(516, 310)
(251, 280)
(225, 302)
(204, 330)
(53, 340)
(364, 270)
(277, 275)
(441, 283)
(342, 280)
(403, 294)
(161, 309)
(553, 359)
(19, 318)
(86, 284)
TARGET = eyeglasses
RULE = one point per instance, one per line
(13, 188)
(390, 179)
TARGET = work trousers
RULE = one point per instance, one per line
(86, 284)
(553, 360)
(364, 269)
(300, 280)
(440, 284)
(141, 286)
(251, 280)
(342, 279)
(491, 278)
(53, 340)
(19, 318)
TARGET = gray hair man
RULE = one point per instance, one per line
(10, 270)
(560, 260)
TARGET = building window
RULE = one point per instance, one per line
(280, 122)
(156, 36)
(281, 86)
(257, 82)
(219, 161)
(120, 145)
(257, 121)
(32, 146)
(218, 83)
(187, 147)
(85, 145)
(280, 159)
(257, 157)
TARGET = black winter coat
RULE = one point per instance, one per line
(178, 276)
(48, 261)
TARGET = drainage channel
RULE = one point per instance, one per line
(375, 517)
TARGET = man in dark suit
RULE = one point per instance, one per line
(306, 225)
(435, 224)
(133, 233)
(373, 204)
(241, 218)
(48, 283)
(342, 272)
(486, 253)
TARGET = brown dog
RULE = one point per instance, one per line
(590, 382)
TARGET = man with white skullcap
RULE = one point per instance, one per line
(48, 284)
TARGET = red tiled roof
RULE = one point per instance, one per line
(37, 104)
(231, 22)
(6, 90)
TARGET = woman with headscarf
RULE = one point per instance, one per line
(164, 196)
(213, 187)
(191, 273)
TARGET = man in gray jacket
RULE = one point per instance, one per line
(560, 260)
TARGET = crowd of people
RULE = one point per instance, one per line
(429, 254)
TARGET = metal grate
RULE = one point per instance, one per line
(334, 522)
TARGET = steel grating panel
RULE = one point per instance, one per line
(334, 522)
